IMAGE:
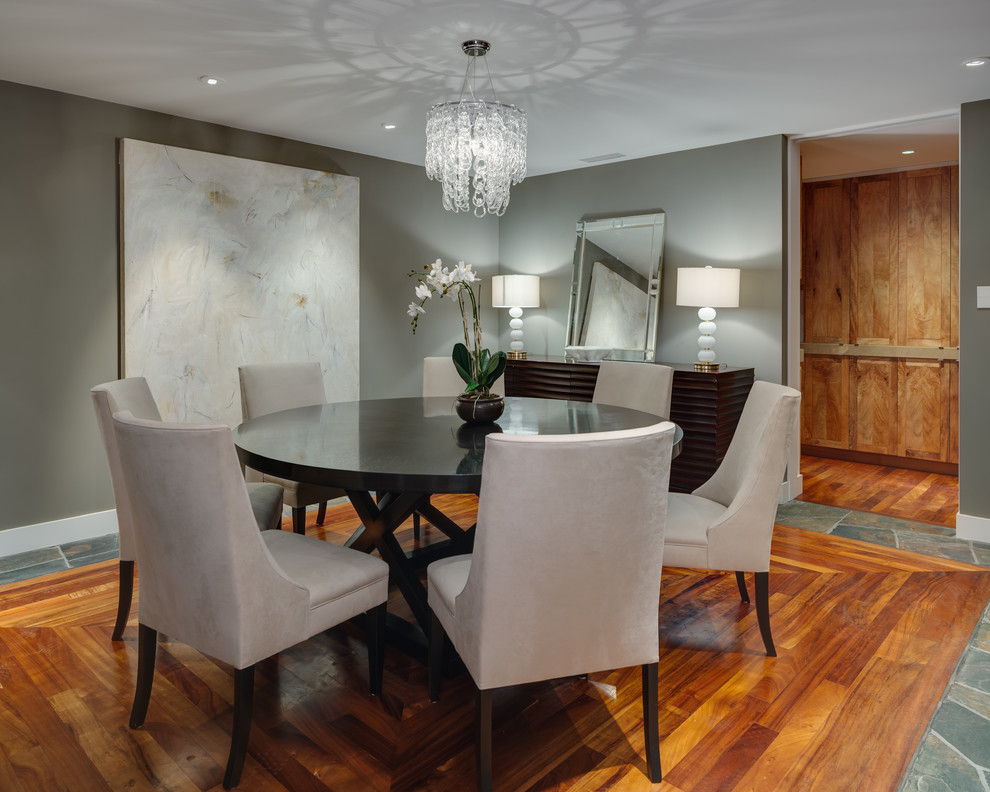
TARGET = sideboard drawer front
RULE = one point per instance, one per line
(705, 404)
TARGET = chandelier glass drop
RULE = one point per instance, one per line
(476, 149)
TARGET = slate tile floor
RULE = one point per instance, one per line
(954, 754)
(36, 563)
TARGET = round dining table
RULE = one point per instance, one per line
(391, 455)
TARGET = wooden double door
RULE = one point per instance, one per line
(880, 301)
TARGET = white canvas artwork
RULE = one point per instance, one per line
(616, 314)
(227, 261)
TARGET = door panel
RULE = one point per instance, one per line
(825, 262)
(825, 401)
(874, 300)
(923, 409)
(873, 421)
(924, 242)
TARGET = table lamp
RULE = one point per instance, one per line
(516, 292)
(707, 288)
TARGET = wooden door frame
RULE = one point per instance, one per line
(794, 483)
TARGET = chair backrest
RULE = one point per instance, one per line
(638, 386)
(440, 378)
(207, 578)
(134, 395)
(565, 574)
(748, 480)
(269, 387)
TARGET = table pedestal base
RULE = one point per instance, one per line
(380, 519)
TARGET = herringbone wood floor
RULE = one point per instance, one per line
(867, 639)
(896, 492)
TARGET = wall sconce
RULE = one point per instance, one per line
(707, 288)
(516, 292)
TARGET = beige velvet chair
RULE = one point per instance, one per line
(210, 579)
(727, 523)
(638, 386)
(270, 387)
(562, 585)
(134, 395)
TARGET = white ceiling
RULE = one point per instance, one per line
(883, 148)
(597, 77)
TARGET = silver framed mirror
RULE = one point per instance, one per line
(614, 307)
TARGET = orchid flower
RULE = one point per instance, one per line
(478, 367)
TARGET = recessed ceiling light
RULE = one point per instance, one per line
(908, 151)
(389, 125)
(209, 79)
(974, 62)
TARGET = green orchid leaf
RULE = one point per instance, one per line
(497, 367)
(462, 362)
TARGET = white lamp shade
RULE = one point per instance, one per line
(708, 287)
(516, 291)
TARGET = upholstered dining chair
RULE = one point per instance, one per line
(542, 596)
(267, 388)
(134, 395)
(210, 579)
(638, 386)
(727, 523)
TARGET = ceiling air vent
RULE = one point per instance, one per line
(603, 158)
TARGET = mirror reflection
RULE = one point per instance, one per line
(615, 291)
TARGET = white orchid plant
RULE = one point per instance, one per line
(477, 366)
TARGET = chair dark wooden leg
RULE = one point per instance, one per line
(243, 704)
(125, 591)
(416, 525)
(741, 582)
(762, 580)
(437, 638)
(321, 513)
(651, 721)
(147, 649)
(483, 740)
(375, 621)
(299, 519)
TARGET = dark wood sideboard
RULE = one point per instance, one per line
(705, 404)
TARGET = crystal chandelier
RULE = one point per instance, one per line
(476, 145)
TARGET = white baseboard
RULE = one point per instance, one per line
(791, 488)
(976, 529)
(57, 532)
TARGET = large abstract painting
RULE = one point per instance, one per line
(227, 261)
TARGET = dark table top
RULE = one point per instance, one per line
(411, 445)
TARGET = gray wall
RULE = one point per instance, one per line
(974, 324)
(58, 279)
(58, 267)
(725, 206)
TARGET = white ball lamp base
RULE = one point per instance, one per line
(516, 349)
(706, 341)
